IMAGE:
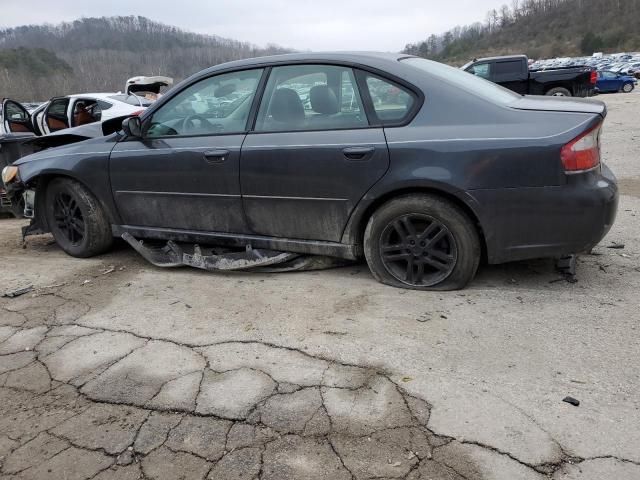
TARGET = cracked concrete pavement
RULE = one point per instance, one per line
(133, 372)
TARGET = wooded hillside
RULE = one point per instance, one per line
(100, 54)
(541, 29)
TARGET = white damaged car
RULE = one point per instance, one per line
(71, 111)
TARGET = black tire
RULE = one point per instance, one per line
(558, 92)
(456, 244)
(76, 219)
(628, 87)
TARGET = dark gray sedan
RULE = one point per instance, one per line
(421, 168)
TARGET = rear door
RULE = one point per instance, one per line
(15, 118)
(56, 115)
(313, 154)
(512, 74)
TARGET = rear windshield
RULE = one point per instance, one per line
(463, 80)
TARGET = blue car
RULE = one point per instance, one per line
(615, 82)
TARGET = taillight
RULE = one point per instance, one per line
(594, 77)
(583, 153)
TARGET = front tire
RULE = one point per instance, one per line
(76, 219)
(422, 242)
(558, 92)
(628, 87)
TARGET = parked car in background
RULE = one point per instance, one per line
(422, 169)
(513, 72)
(630, 68)
(615, 82)
(70, 111)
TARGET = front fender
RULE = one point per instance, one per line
(86, 162)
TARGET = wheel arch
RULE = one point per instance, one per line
(566, 85)
(354, 232)
(42, 180)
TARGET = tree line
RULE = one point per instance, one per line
(541, 29)
(100, 54)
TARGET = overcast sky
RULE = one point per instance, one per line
(385, 25)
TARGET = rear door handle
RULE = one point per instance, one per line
(216, 156)
(358, 153)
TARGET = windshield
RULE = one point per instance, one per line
(464, 80)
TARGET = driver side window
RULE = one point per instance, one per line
(213, 106)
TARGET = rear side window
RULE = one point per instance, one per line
(507, 68)
(104, 105)
(391, 102)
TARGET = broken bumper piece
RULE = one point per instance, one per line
(216, 259)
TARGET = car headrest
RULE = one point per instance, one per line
(323, 100)
(286, 106)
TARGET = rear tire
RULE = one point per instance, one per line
(422, 242)
(77, 221)
(558, 92)
(628, 87)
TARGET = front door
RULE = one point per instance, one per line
(15, 118)
(608, 82)
(312, 156)
(184, 172)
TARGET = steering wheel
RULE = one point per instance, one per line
(189, 126)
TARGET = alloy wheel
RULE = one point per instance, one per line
(68, 218)
(418, 250)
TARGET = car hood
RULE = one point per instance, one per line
(560, 104)
(100, 145)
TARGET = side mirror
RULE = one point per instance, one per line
(132, 127)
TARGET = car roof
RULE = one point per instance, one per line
(92, 95)
(504, 57)
(348, 57)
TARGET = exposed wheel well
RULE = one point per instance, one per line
(40, 183)
(430, 191)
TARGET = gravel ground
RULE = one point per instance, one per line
(113, 369)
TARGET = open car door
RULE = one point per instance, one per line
(15, 118)
(56, 115)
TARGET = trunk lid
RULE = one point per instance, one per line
(560, 104)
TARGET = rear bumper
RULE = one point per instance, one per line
(548, 222)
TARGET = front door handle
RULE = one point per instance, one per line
(358, 153)
(216, 156)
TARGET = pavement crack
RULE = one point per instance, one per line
(335, 451)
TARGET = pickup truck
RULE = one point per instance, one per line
(513, 73)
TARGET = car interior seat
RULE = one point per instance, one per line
(287, 111)
(80, 114)
(324, 103)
